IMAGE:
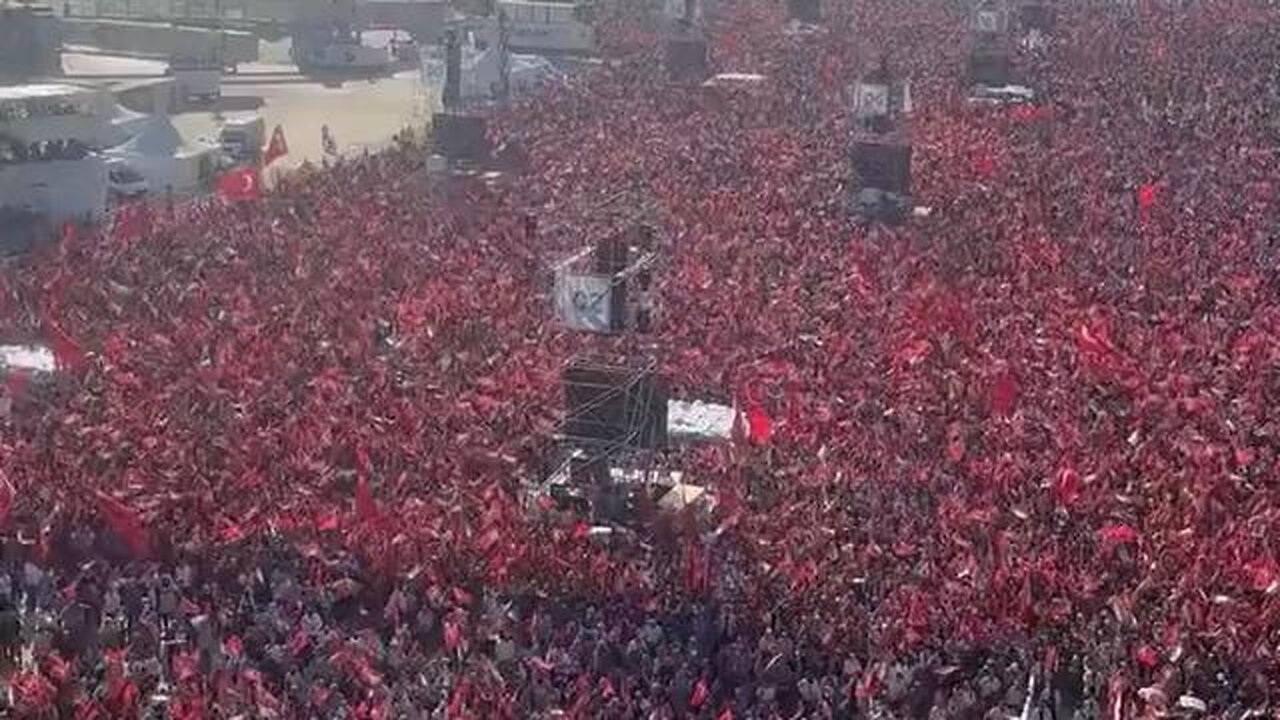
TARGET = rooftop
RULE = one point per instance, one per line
(44, 90)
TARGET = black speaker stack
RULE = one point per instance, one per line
(461, 136)
(686, 58)
(614, 407)
(882, 165)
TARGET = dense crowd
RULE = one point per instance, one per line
(1022, 458)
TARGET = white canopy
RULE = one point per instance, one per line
(681, 496)
(157, 138)
(159, 153)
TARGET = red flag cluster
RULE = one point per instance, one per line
(963, 471)
(67, 353)
(132, 221)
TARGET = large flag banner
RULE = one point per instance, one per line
(239, 184)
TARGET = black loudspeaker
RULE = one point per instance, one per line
(459, 136)
(686, 57)
(882, 166)
(1038, 16)
(611, 256)
(615, 406)
(991, 67)
(452, 94)
(806, 11)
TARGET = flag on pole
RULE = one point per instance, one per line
(67, 244)
(66, 352)
(125, 522)
(278, 147)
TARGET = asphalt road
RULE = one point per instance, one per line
(360, 113)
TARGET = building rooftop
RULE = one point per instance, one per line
(41, 90)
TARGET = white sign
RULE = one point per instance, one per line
(871, 101)
(583, 302)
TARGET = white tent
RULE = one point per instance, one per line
(126, 123)
(159, 154)
(682, 496)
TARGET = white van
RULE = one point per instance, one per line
(125, 183)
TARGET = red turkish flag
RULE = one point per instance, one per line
(125, 521)
(239, 184)
(1066, 487)
(452, 635)
(277, 149)
(1004, 393)
(1146, 196)
(1097, 351)
(758, 426)
(66, 352)
(1113, 535)
(700, 694)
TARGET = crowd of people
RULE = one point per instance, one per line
(1020, 458)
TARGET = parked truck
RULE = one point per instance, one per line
(242, 138)
(196, 78)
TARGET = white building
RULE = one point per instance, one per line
(48, 162)
(30, 41)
